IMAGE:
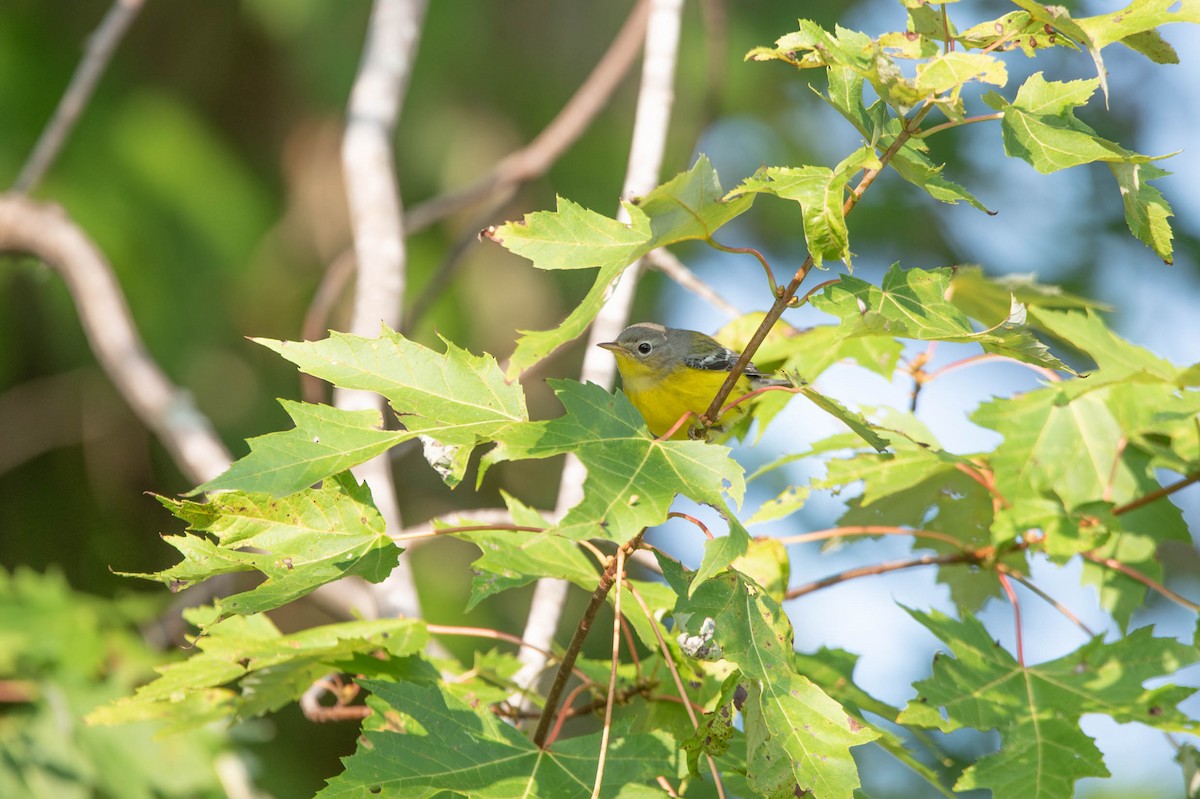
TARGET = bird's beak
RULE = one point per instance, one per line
(612, 346)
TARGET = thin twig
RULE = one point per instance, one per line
(946, 125)
(471, 528)
(1003, 568)
(48, 233)
(1133, 574)
(651, 118)
(870, 529)
(693, 520)
(317, 319)
(313, 710)
(984, 357)
(758, 256)
(568, 711)
(1006, 584)
(679, 686)
(532, 160)
(100, 48)
(665, 261)
(581, 630)
(612, 676)
(1157, 494)
(377, 220)
(880, 568)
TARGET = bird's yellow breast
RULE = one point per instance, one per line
(663, 397)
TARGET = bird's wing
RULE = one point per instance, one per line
(715, 360)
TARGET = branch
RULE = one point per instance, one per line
(1157, 494)
(612, 676)
(100, 47)
(651, 118)
(1133, 574)
(665, 261)
(581, 630)
(532, 160)
(377, 221)
(783, 299)
(869, 529)
(881, 568)
(679, 686)
(1003, 568)
(46, 232)
(1006, 584)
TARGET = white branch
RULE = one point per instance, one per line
(100, 47)
(48, 233)
(655, 98)
(377, 220)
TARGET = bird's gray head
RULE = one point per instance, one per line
(646, 343)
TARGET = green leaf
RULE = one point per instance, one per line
(632, 478)
(324, 442)
(435, 743)
(1116, 359)
(766, 563)
(1074, 449)
(989, 298)
(1017, 28)
(912, 304)
(1040, 127)
(1146, 210)
(298, 542)
(1037, 709)
(453, 397)
(852, 419)
(1137, 19)
(512, 558)
(953, 69)
(245, 667)
(689, 206)
(795, 734)
(833, 671)
(820, 192)
(782, 505)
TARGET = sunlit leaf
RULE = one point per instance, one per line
(453, 397)
(324, 442)
(298, 542)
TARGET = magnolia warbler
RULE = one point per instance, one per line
(668, 372)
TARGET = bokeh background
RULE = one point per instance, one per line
(207, 169)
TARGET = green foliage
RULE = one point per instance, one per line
(245, 667)
(62, 654)
(432, 743)
(1078, 474)
(1037, 709)
(299, 542)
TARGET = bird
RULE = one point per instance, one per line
(667, 372)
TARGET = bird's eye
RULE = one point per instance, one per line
(644, 348)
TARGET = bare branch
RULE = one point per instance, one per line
(665, 261)
(46, 232)
(655, 98)
(532, 160)
(376, 217)
(100, 47)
